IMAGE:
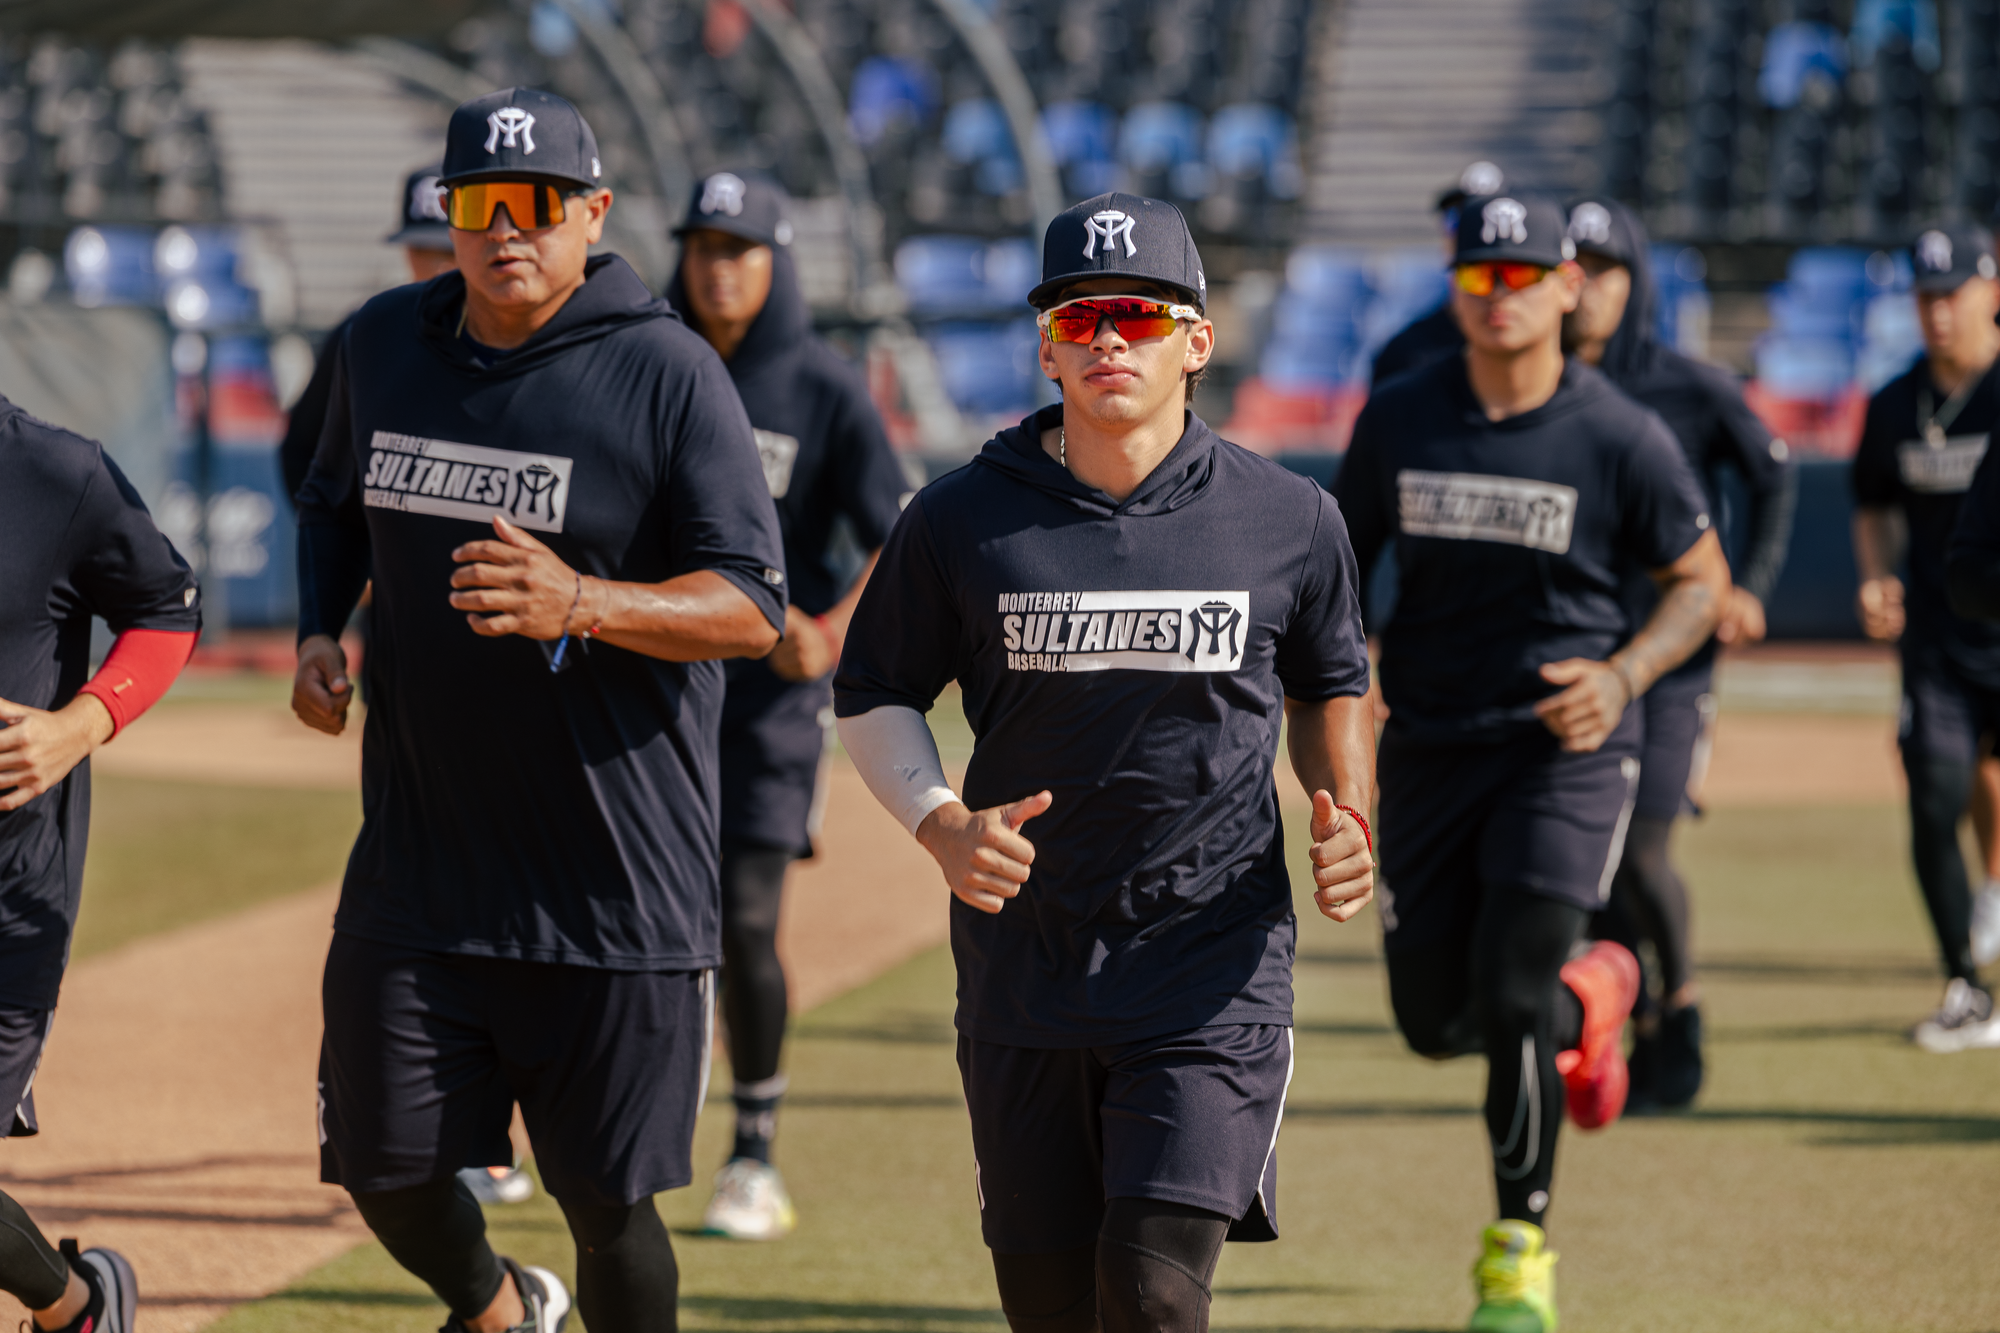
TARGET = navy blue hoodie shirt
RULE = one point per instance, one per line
(826, 459)
(509, 810)
(1133, 658)
(1896, 467)
(79, 543)
(1511, 537)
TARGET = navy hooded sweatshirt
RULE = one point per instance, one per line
(79, 543)
(826, 461)
(510, 810)
(1134, 659)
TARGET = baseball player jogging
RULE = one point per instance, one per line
(79, 544)
(829, 468)
(1131, 606)
(555, 491)
(1925, 434)
(1612, 328)
(1518, 486)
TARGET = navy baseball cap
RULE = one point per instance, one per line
(1598, 228)
(424, 226)
(1510, 229)
(1480, 178)
(1120, 235)
(752, 207)
(1944, 257)
(520, 132)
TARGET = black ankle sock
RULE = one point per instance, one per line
(93, 1308)
(756, 1125)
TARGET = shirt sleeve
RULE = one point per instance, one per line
(1323, 653)
(334, 549)
(1876, 484)
(1357, 488)
(307, 420)
(718, 503)
(1771, 478)
(122, 566)
(869, 477)
(903, 645)
(1662, 510)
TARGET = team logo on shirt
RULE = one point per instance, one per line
(1165, 630)
(777, 453)
(1940, 469)
(1472, 506)
(468, 481)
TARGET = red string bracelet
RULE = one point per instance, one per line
(1366, 833)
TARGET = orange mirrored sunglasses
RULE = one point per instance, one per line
(1133, 316)
(1480, 279)
(531, 204)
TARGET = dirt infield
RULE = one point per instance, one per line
(177, 1093)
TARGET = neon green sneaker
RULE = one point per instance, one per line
(1516, 1281)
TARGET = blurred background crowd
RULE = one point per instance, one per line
(192, 194)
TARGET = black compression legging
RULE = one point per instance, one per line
(754, 999)
(1502, 979)
(1939, 790)
(1649, 901)
(626, 1275)
(1148, 1272)
(31, 1271)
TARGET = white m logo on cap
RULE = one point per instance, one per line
(1934, 251)
(507, 124)
(1592, 223)
(425, 201)
(1503, 219)
(722, 193)
(1110, 227)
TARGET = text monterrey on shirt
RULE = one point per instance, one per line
(1510, 538)
(510, 810)
(1133, 659)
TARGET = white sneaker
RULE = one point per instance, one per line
(750, 1203)
(1966, 1021)
(517, 1186)
(1986, 924)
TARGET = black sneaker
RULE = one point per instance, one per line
(543, 1295)
(1680, 1064)
(1643, 1064)
(114, 1289)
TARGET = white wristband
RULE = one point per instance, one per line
(897, 757)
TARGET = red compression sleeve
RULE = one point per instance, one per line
(138, 670)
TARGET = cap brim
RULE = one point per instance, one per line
(421, 236)
(1603, 252)
(1508, 254)
(728, 225)
(1942, 282)
(1039, 295)
(463, 177)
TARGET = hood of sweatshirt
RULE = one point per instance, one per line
(781, 326)
(1181, 478)
(612, 298)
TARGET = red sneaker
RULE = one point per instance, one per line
(1607, 981)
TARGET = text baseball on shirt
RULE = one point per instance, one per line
(469, 481)
(1154, 630)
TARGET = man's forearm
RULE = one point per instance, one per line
(697, 617)
(1332, 746)
(1688, 612)
(1878, 542)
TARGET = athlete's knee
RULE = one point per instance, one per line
(1049, 1293)
(1433, 1012)
(1154, 1263)
(438, 1212)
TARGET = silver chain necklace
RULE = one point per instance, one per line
(1062, 447)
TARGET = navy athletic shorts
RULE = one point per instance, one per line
(1458, 820)
(1945, 711)
(773, 745)
(425, 1055)
(1675, 715)
(1190, 1118)
(23, 1033)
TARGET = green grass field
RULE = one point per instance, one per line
(1833, 1177)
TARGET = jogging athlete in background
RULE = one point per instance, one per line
(1926, 433)
(838, 489)
(1612, 328)
(554, 489)
(1131, 607)
(78, 544)
(1518, 487)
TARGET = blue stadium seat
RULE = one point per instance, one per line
(987, 369)
(1083, 139)
(1254, 141)
(888, 90)
(964, 274)
(976, 134)
(1160, 144)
